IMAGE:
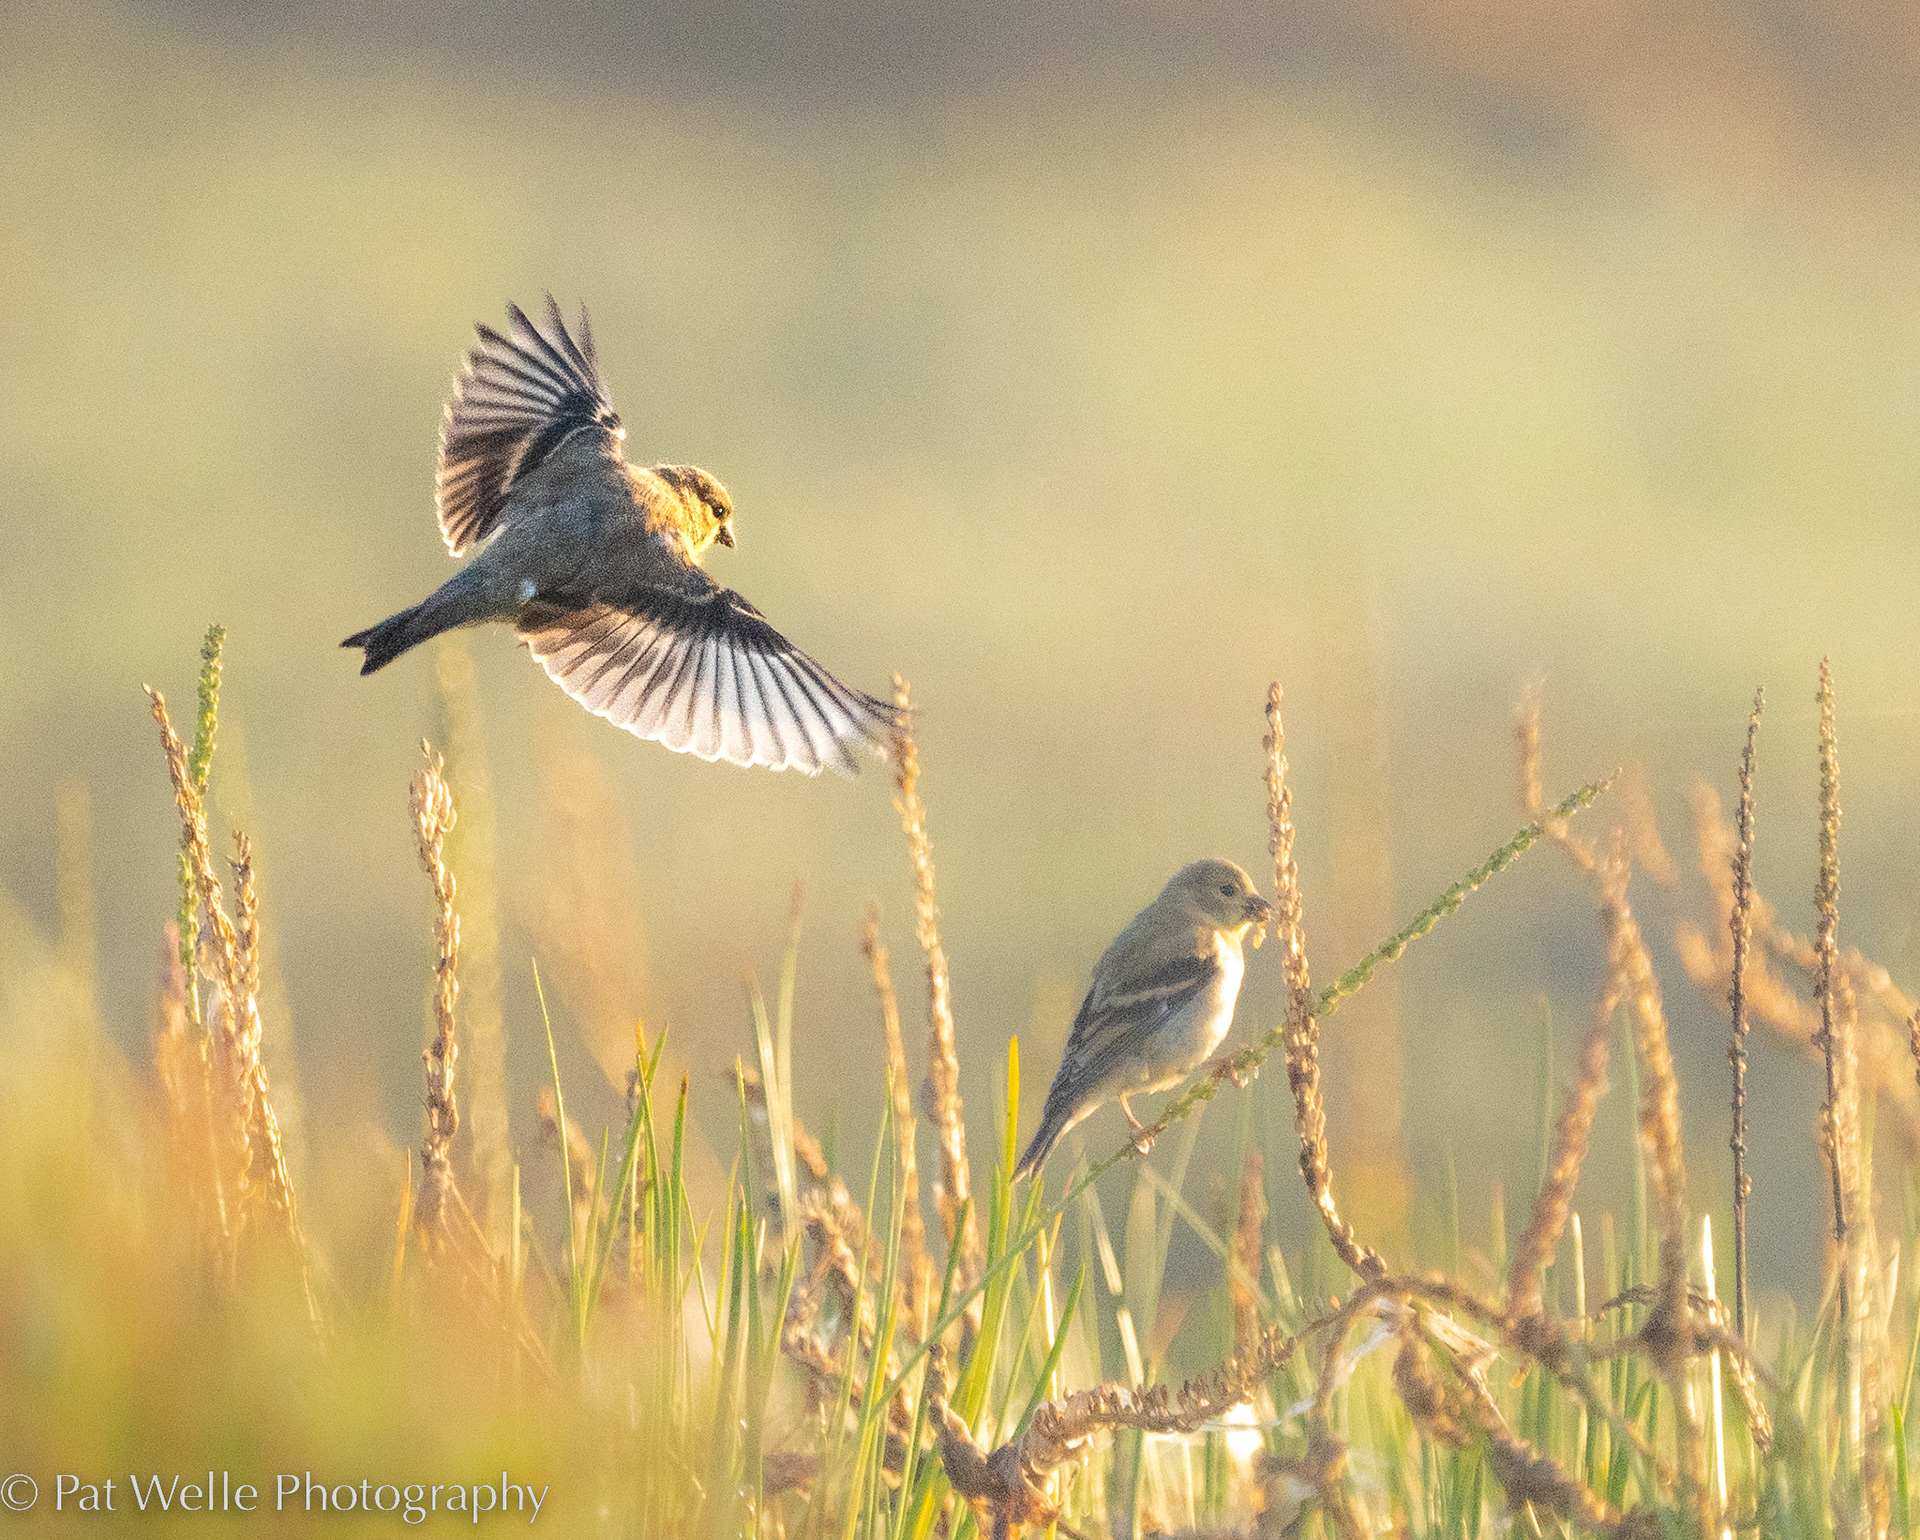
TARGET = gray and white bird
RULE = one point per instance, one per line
(596, 565)
(1161, 1001)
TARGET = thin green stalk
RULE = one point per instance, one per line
(776, 1094)
(931, 1496)
(604, 1253)
(574, 1281)
(1900, 1468)
(870, 1444)
(1067, 1308)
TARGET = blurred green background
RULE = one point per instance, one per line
(1091, 366)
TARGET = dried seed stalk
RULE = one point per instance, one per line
(1006, 1486)
(1668, 1335)
(1302, 1028)
(940, 1092)
(236, 1156)
(1669, 1331)
(254, 1165)
(1841, 1129)
(186, 1075)
(1881, 1039)
(270, 1165)
(431, 802)
(1571, 1133)
(1527, 1476)
(1740, 930)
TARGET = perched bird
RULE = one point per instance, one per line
(1161, 1001)
(596, 564)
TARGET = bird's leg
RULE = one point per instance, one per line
(1142, 1140)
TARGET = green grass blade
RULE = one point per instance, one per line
(1067, 1308)
(776, 1093)
(574, 1281)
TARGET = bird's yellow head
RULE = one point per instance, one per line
(709, 511)
(1219, 893)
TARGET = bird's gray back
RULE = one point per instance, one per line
(583, 520)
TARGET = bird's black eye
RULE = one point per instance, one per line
(1226, 890)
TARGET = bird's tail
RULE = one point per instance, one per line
(1054, 1121)
(393, 636)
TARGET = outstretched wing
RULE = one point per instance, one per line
(698, 669)
(519, 398)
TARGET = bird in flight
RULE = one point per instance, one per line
(1161, 1000)
(596, 565)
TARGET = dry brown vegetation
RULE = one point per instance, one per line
(811, 1361)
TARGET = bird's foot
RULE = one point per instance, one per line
(1231, 1069)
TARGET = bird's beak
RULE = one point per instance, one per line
(725, 536)
(1258, 910)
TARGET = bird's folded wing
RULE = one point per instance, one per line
(1116, 1023)
(519, 399)
(698, 669)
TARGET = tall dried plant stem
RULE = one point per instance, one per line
(198, 761)
(1669, 1333)
(1841, 1129)
(433, 820)
(1741, 927)
(1571, 1133)
(1303, 1029)
(913, 1227)
(251, 1147)
(231, 1115)
(940, 1092)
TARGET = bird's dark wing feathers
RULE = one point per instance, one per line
(520, 397)
(698, 669)
(1121, 1024)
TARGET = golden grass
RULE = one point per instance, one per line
(790, 1366)
(249, 1168)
